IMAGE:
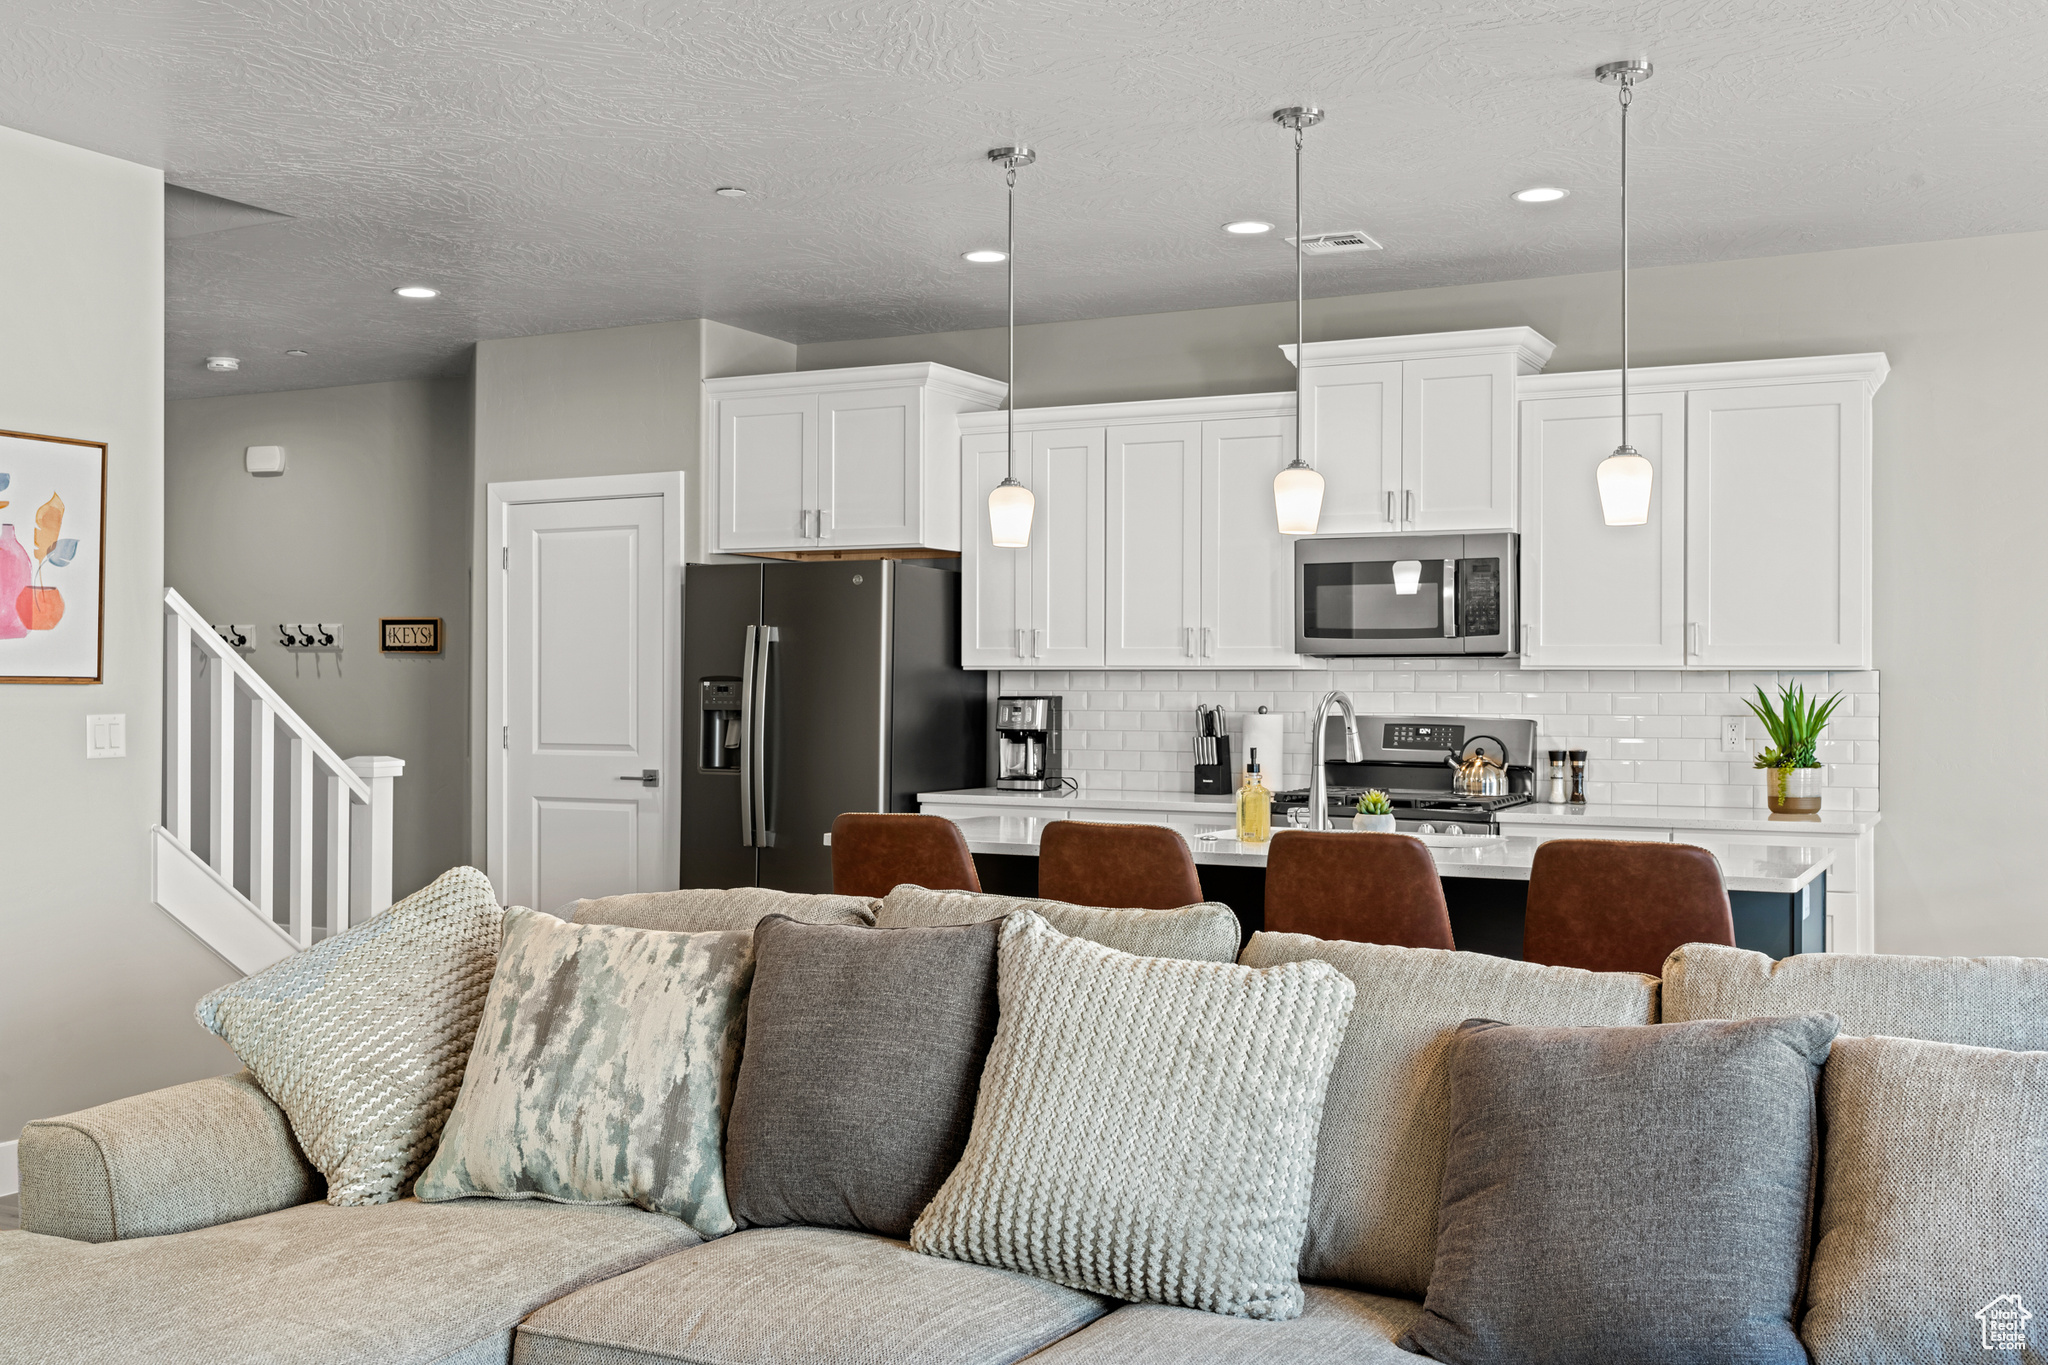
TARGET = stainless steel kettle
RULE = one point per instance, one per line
(1478, 773)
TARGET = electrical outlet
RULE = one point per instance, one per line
(1731, 734)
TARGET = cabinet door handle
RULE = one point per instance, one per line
(1034, 643)
(1390, 507)
(1208, 642)
(1525, 641)
(1693, 629)
(1020, 644)
(1408, 498)
(824, 524)
(1187, 641)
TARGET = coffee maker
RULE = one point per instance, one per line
(1027, 743)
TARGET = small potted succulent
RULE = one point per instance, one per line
(1375, 813)
(1791, 764)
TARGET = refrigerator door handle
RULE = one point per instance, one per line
(748, 706)
(764, 837)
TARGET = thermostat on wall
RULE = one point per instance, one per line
(264, 460)
(410, 635)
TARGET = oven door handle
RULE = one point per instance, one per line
(1450, 598)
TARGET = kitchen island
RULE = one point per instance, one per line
(1776, 890)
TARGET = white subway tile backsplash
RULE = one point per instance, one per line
(1589, 703)
(1706, 681)
(1612, 726)
(1682, 704)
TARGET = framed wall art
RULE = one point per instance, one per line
(53, 522)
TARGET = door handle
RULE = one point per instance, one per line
(1693, 629)
(1408, 501)
(764, 836)
(1525, 641)
(824, 524)
(1034, 642)
(1208, 642)
(1450, 598)
(1187, 641)
(803, 524)
(648, 777)
(1020, 644)
(747, 708)
(1390, 507)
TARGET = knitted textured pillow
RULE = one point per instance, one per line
(1146, 1126)
(361, 1039)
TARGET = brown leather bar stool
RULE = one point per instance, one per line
(1610, 905)
(874, 854)
(1125, 867)
(1366, 888)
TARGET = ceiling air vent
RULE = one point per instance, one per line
(1329, 243)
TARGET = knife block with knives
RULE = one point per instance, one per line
(1214, 775)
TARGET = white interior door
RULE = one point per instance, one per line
(585, 671)
(1154, 532)
(1247, 565)
(1594, 595)
(870, 467)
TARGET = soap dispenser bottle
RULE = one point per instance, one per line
(1254, 804)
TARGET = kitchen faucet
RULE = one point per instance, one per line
(1318, 777)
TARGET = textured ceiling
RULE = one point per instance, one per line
(549, 163)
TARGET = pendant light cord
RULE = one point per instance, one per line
(1010, 373)
(1300, 318)
(1627, 95)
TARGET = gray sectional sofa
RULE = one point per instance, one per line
(185, 1226)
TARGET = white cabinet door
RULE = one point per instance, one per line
(1067, 481)
(1778, 526)
(1458, 443)
(1352, 435)
(995, 585)
(767, 455)
(1594, 595)
(1153, 533)
(1247, 565)
(870, 468)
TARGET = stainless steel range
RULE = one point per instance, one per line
(1413, 759)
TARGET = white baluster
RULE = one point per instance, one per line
(338, 854)
(372, 836)
(263, 806)
(299, 868)
(178, 733)
(220, 792)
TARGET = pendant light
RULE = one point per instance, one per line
(1298, 489)
(1010, 503)
(1625, 476)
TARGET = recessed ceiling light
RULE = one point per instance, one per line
(295, 353)
(983, 257)
(1247, 227)
(221, 364)
(730, 192)
(416, 291)
(1541, 194)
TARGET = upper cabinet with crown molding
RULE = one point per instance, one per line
(814, 462)
(1417, 433)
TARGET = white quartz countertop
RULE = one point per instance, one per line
(1780, 829)
(1760, 866)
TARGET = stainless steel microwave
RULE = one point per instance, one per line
(1406, 595)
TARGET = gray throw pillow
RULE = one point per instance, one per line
(1626, 1194)
(1204, 932)
(856, 1091)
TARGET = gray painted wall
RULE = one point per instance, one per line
(96, 1000)
(370, 519)
(1961, 487)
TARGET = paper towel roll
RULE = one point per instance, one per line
(1266, 734)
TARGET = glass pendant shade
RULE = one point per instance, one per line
(1009, 515)
(1298, 499)
(1407, 577)
(1625, 478)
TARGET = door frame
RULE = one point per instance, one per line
(499, 499)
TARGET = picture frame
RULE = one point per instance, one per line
(53, 581)
(409, 635)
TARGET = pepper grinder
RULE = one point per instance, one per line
(1578, 758)
(1557, 789)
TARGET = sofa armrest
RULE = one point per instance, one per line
(169, 1161)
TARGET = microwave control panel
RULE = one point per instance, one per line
(1479, 597)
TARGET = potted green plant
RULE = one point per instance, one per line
(1791, 763)
(1375, 813)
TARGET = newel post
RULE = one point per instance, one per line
(370, 839)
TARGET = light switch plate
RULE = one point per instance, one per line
(1731, 734)
(106, 736)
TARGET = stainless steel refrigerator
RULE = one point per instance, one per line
(811, 689)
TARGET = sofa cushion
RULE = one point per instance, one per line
(739, 907)
(1204, 932)
(816, 1295)
(1386, 1122)
(863, 1057)
(393, 1283)
(1626, 1194)
(1336, 1327)
(603, 1071)
(1999, 1002)
(1146, 1127)
(184, 1157)
(1934, 1203)
(361, 1039)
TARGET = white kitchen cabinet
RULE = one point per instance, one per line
(1247, 566)
(1041, 606)
(1417, 433)
(1778, 526)
(827, 461)
(1153, 583)
(1758, 544)
(1594, 595)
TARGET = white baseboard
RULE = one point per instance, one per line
(10, 1174)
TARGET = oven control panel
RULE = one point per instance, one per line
(1429, 738)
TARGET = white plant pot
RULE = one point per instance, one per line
(1373, 824)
